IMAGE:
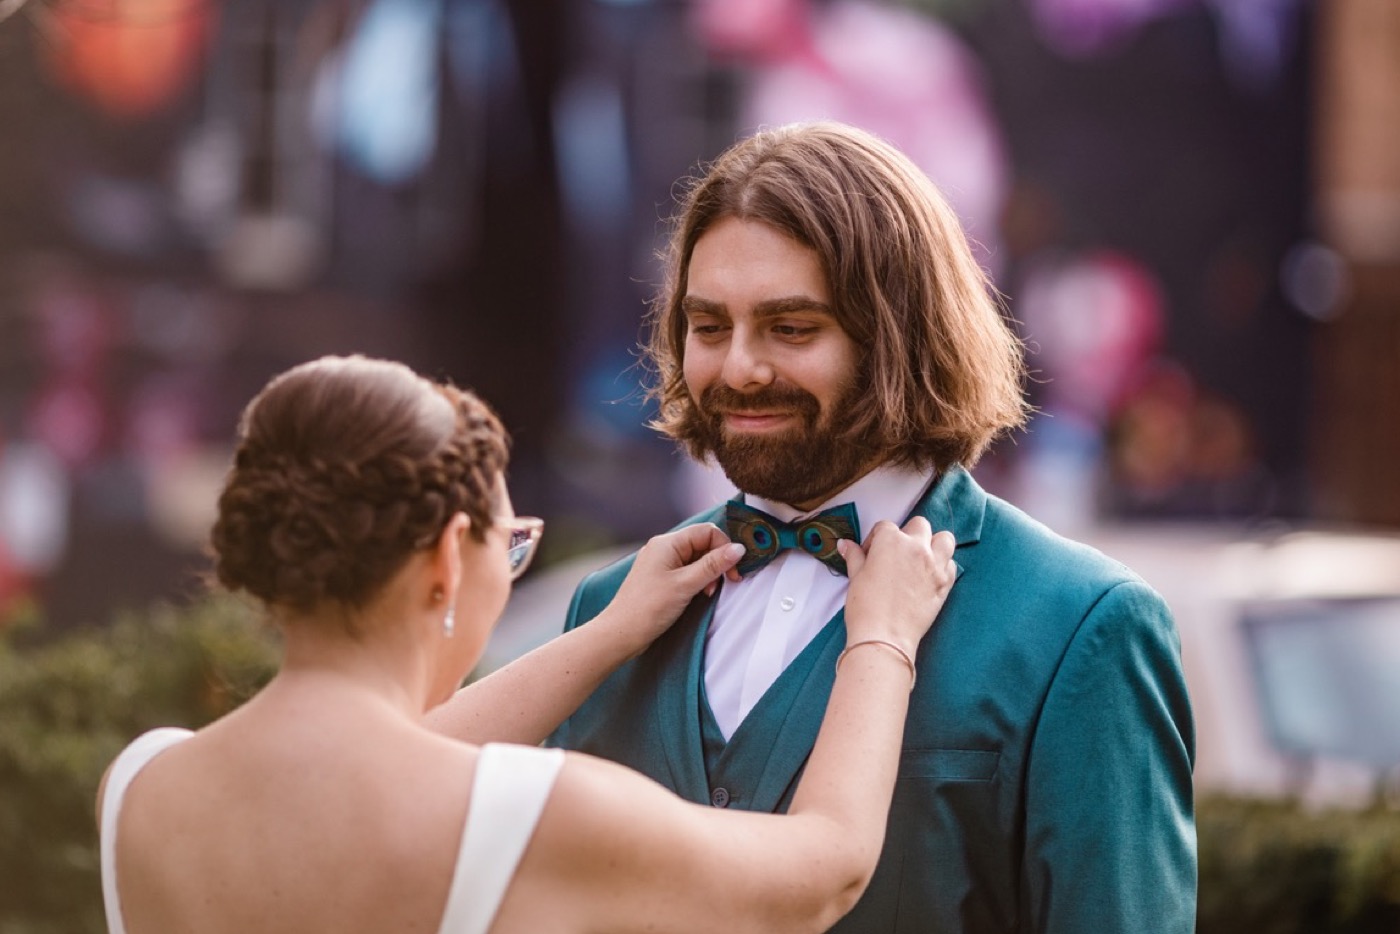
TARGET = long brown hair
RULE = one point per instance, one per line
(943, 371)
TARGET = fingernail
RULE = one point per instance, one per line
(734, 550)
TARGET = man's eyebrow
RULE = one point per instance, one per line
(771, 308)
(790, 304)
(693, 305)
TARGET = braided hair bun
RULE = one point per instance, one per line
(344, 467)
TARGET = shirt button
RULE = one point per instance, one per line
(720, 797)
(788, 603)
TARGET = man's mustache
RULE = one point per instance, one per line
(720, 398)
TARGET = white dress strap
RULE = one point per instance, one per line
(124, 768)
(509, 792)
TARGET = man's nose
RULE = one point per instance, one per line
(746, 366)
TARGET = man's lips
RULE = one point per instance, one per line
(756, 421)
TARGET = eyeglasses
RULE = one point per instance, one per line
(525, 532)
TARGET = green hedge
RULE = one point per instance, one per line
(1274, 867)
(67, 705)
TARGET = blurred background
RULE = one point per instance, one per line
(1192, 208)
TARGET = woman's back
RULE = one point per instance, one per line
(263, 822)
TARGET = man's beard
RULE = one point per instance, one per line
(803, 464)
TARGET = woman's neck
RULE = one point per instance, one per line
(384, 661)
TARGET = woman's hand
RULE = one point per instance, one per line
(666, 575)
(898, 582)
(527, 700)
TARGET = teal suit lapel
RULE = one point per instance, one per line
(677, 657)
(958, 504)
(679, 661)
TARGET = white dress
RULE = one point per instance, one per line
(511, 787)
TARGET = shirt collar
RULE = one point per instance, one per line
(887, 492)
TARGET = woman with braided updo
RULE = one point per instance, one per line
(366, 509)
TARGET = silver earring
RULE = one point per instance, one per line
(449, 622)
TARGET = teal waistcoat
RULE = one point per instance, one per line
(731, 766)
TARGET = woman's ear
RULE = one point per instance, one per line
(447, 555)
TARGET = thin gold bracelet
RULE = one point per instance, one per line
(913, 675)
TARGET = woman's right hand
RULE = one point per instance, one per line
(509, 705)
(899, 582)
(668, 572)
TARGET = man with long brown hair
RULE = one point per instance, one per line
(826, 336)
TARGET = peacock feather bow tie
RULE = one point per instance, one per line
(765, 537)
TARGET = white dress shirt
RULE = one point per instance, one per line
(765, 620)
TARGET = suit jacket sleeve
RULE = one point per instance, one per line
(1110, 834)
(590, 598)
(578, 615)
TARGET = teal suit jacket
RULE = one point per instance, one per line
(1045, 779)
